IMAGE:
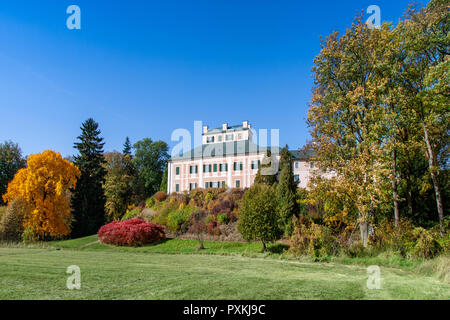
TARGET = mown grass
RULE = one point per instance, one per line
(176, 269)
(120, 274)
(177, 246)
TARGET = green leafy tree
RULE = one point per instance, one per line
(118, 184)
(258, 219)
(425, 71)
(11, 160)
(88, 198)
(150, 161)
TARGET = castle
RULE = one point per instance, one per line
(228, 157)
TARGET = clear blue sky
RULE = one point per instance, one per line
(144, 68)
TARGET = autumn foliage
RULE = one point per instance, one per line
(132, 232)
(44, 184)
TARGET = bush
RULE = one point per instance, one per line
(223, 218)
(426, 244)
(11, 223)
(313, 240)
(150, 202)
(131, 214)
(132, 232)
(258, 218)
(160, 196)
(178, 220)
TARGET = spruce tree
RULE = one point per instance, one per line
(88, 198)
(127, 147)
(286, 193)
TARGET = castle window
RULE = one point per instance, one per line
(297, 178)
(238, 183)
(177, 171)
(296, 165)
(177, 188)
(215, 167)
(229, 137)
(210, 139)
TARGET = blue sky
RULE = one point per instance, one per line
(144, 68)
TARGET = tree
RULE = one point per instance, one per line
(198, 226)
(345, 116)
(286, 192)
(11, 161)
(11, 222)
(127, 147)
(44, 185)
(164, 180)
(88, 198)
(258, 219)
(267, 171)
(425, 70)
(117, 186)
(150, 161)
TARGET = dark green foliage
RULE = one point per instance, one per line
(88, 198)
(127, 147)
(163, 186)
(267, 171)
(258, 219)
(150, 161)
(286, 193)
(11, 161)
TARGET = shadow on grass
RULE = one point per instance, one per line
(278, 248)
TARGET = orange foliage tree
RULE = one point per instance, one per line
(44, 184)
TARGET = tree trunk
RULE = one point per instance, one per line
(434, 171)
(264, 246)
(394, 187)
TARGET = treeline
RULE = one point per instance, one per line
(51, 197)
(379, 120)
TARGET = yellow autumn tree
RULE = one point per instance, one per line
(44, 184)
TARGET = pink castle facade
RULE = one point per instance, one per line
(227, 158)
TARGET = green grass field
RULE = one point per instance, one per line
(174, 269)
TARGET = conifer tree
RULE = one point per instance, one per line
(127, 147)
(286, 193)
(88, 198)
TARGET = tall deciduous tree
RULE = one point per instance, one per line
(11, 160)
(88, 198)
(150, 160)
(45, 185)
(426, 72)
(117, 184)
(345, 116)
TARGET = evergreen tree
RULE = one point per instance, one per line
(286, 193)
(267, 173)
(164, 180)
(127, 147)
(11, 160)
(88, 198)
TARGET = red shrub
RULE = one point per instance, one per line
(160, 196)
(132, 232)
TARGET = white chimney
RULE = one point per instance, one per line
(245, 124)
(224, 126)
(205, 129)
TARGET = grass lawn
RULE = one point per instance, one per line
(225, 270)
